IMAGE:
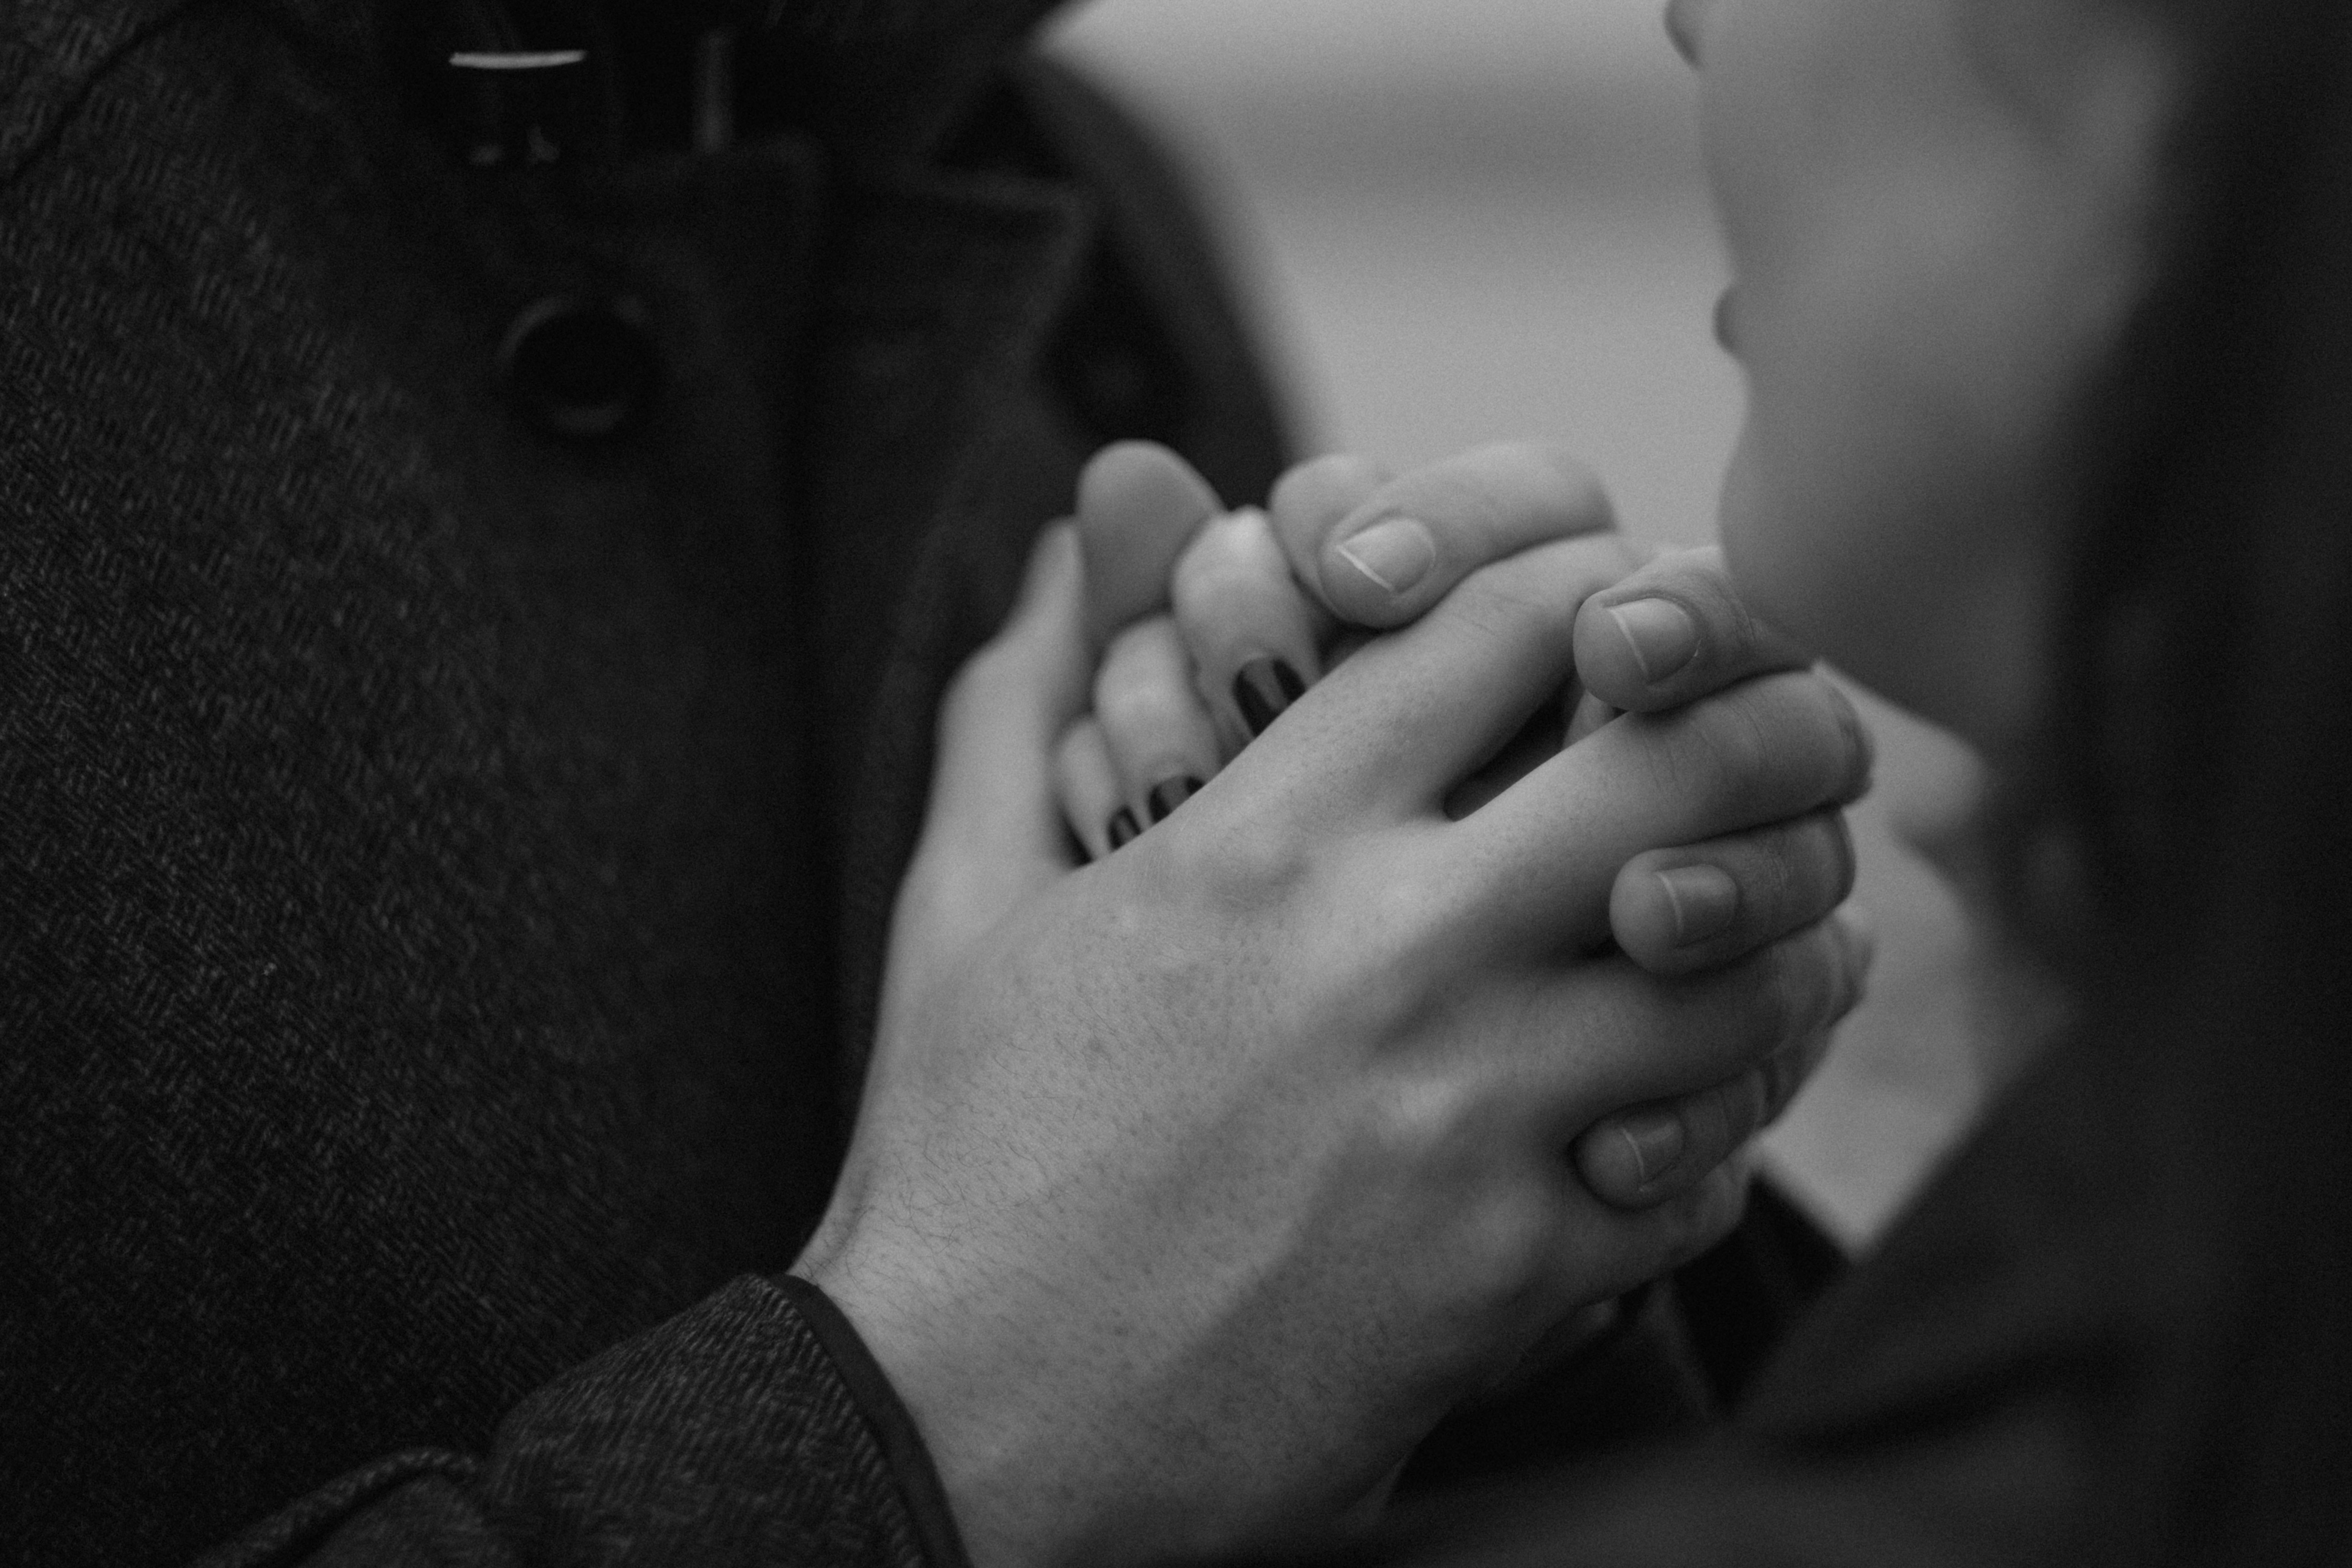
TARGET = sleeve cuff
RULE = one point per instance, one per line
(754, 1428)
(888, 1420)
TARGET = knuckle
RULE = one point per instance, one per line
(1803, 870)
(1418, 1119)
(1361, 970)
(1784, 999)
(1779, 879)
(1508, 602)
(1225, 572)
(1230, 542)
(1460, 506)
(1242, 861)
(1201, 595)
(1514, 1239)
(1124, 699)
(1767, 746)
(1141, 684)
(1713, 1117)
(1728, 751)
(1547, 480)
(1616, 554)
(1813, 982)
(1403, 913)
(1576, 478)
(1504, 1245)
(1196, 570)
(1496, 499)
(1597, 559)
(1714, 1122)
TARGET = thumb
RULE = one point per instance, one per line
(994, 833)
(1404, 547)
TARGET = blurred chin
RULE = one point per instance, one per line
(1918, 633)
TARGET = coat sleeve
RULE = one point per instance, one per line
(752, 1429)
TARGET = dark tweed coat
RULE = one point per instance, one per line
(456, 771)
(478, 555)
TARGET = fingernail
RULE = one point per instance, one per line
(1705, 900)
(1262, 688)
(1662, 635)
(1171, 793)
(1395, 554)
(1655, 1138)
(1122, 827)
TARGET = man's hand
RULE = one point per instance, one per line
(1189, 1188)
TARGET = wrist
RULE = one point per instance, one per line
(1002, 1433)
(905, 1453)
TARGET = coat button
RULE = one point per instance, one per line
(581, 368)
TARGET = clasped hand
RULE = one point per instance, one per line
(1193, 1184)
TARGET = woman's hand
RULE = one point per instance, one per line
(1190, 1188)
(1212, 621)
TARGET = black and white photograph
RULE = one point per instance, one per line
(1100, 783)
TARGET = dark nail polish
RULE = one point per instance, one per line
(1171, 793)
(1122, 826)
(1263, 689)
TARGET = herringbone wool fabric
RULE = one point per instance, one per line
(443, 861)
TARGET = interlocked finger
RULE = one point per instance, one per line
(1658, 1151)
(1139, 503)
(1676, 911)
(1659, 1237)
(1161, 740)
(1253, 634)
(1404, 547)
(1674, 631)
(1312, 500)
(1767, 750)
(1594, 1037)
(1086, 784)
(1413, 714)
